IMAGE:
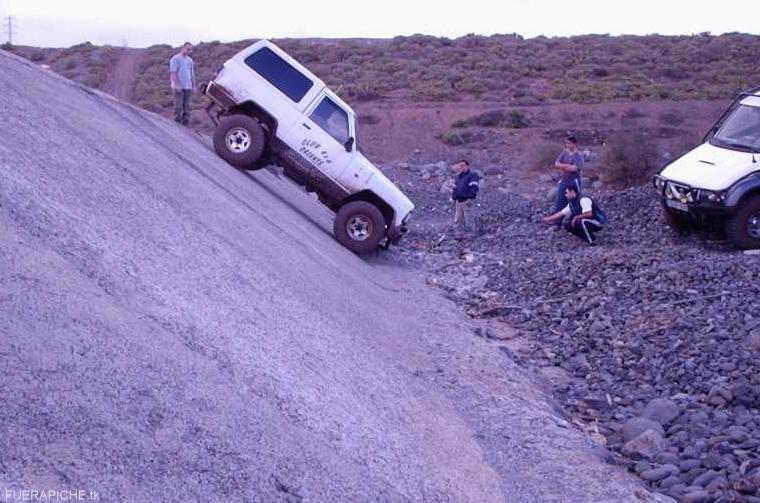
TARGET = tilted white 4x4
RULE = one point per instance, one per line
(270, 109)
(720, 179)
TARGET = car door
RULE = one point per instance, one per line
(322, 135)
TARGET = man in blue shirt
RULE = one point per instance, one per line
(465, 191)
(182, 79)
(569, 163)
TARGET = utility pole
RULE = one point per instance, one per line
(9, 28)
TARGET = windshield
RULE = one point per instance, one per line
(741, 130)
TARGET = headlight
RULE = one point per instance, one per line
(711, 196)
(658, 182)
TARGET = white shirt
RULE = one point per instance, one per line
(586, 206)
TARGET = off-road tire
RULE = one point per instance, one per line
(359, 226)
(737, 231)
(240, 140)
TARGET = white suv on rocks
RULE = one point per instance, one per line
(720, 179)
(269, 109)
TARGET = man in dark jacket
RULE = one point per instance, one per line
(582, 216)
(465, 191)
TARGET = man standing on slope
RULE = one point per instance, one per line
(466, 185)
(582, 216)
(182, 75)
(569, 163)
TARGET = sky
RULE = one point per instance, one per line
(140, 23)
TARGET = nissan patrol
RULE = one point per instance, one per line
(269, 109)
(720, 179)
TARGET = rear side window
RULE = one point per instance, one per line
(279, 73)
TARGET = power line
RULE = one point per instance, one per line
(10, 27)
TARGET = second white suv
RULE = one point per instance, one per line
(720, 179)
(270, 109)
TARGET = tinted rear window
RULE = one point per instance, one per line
(279, 73)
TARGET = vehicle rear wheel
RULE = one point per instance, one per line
(359, 226)
(240, 140)
(743, 229)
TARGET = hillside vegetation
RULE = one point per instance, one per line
(585, 69)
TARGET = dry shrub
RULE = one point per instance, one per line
(461, 137)
(512, 119)
(672, 118)
(629, 158)
(542, 156)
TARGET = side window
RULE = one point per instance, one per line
(279, 73)
(331, 118)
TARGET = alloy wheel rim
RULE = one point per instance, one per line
(238, 140)
(359, 227)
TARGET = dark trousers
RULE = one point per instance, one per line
(182, 105)
(585, 228)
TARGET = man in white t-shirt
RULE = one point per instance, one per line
(182, 80)
(582, 216)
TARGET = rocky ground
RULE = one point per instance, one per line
(649, 338)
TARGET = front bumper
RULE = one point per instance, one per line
(396, 233)
(692, 201)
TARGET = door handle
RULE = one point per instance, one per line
(306, 126)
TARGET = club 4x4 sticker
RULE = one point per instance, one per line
(311, 150)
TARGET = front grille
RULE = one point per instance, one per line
(679, 192)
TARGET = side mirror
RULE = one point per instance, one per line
(349, 144)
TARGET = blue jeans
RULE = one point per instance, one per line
(564, 184)
(182, 105)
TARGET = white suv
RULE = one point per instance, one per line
(720, 179)
(269, 109)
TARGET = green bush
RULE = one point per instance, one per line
(458, 138)
(513, 119)
(435, 90)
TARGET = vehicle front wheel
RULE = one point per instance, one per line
(359, 226)
(743, 229)
(240, 140)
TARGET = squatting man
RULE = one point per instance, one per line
(582, 216)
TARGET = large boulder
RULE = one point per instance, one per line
(638, 425)
(647, 445)
(662, 410)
